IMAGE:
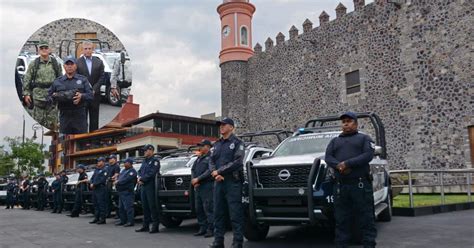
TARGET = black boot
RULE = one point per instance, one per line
(200, 232)
(154, 228)
(101, 222)
(209, 234)
(143, 229)
(94, 221)
(237, 245)
(217, 245)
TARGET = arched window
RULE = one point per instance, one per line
(244, 38)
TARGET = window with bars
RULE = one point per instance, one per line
(352, 82)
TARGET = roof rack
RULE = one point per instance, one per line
(280, 134)
(374, 119)
(77, 42)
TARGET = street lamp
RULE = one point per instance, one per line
(35, 127)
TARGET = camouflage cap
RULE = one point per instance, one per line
(43, 43)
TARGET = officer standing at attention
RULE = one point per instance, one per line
(150, 202)
(25, 192)
(63, 179)
(81, 186)
(125, 186)
(112, 175)
(349, 155)
(71, 92)
(42, 187)
(40, 75)
(11, 186)
(203, 185)
(56, 187)
(98, 185)
(226, 165)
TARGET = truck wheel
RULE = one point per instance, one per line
(254, 232)
(170, 221)
(386, 214)
(114, 101)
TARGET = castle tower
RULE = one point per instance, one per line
(236, 49)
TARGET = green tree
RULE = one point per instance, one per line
(28, 156)
(7, 165)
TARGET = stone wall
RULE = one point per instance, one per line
(58, 30)
(415, 64)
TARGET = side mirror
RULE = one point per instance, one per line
(20, 68)
(122, 57)
(378, 151)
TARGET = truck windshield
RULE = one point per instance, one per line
(304, 144)
(173, 163)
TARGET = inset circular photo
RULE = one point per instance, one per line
(73, 75)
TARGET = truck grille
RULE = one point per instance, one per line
(176, 182)
(278, 177)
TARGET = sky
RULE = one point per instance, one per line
(173, 44)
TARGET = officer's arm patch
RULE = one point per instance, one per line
(241, 147)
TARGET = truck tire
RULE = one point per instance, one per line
(170, 221)
(254, 232)
(112, 100)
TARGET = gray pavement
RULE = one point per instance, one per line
(24, 229)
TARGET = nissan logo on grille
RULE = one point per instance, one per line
(179, 181)
(284, 175)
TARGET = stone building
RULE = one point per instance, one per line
(409, 61)
(74, 28)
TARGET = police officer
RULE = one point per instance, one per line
(63, 179)
(38, 78)
(71, 92)
(56, 187)
(81, 186)
(98, 185)
(42, 184)
(112, 175)
(150, 202)
(11, 186)
(226, 165)
(25, 192)
(203, 185)
(349, 154)
(125, 186)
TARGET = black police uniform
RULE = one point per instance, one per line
(11, 186)
(353, 193)
(72, 117)
(112, 169)
(125, 186)
(41, 196)
(63, 181)
(227, 158)
(56, 187)
(25, 194)
(204, 194)
(78, 199)
(98, 181)
(147, 173)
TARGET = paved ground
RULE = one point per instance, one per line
(24, 229)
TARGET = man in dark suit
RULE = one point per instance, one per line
(93, 69)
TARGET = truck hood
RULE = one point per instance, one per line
(178, 172)
(290, 160)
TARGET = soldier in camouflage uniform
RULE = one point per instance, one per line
(121, 78)
(39, 77)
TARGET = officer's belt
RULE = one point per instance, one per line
(351, 180)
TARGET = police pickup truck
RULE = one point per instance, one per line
(294, 185)
(176, 193)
